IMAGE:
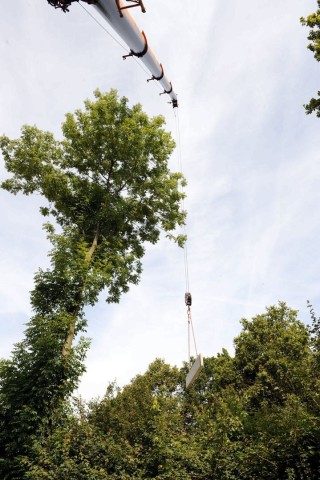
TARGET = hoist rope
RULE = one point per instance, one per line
(191, 329)
(179, 150)
(118, 42)
(103, 28)
(185, 248)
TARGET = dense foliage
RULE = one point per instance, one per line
(313, 22)
(251, 416)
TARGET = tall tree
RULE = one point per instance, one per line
(108, 187)
(313, 22)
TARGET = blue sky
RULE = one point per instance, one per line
(250, 155)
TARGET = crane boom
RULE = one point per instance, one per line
(115, 12)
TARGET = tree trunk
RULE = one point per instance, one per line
(66, 349)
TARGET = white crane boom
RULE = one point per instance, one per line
(115, 12)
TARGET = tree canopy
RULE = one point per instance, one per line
(253, 415)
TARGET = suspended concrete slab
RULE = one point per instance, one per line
(194, 371)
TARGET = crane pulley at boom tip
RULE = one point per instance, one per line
(115, 12)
